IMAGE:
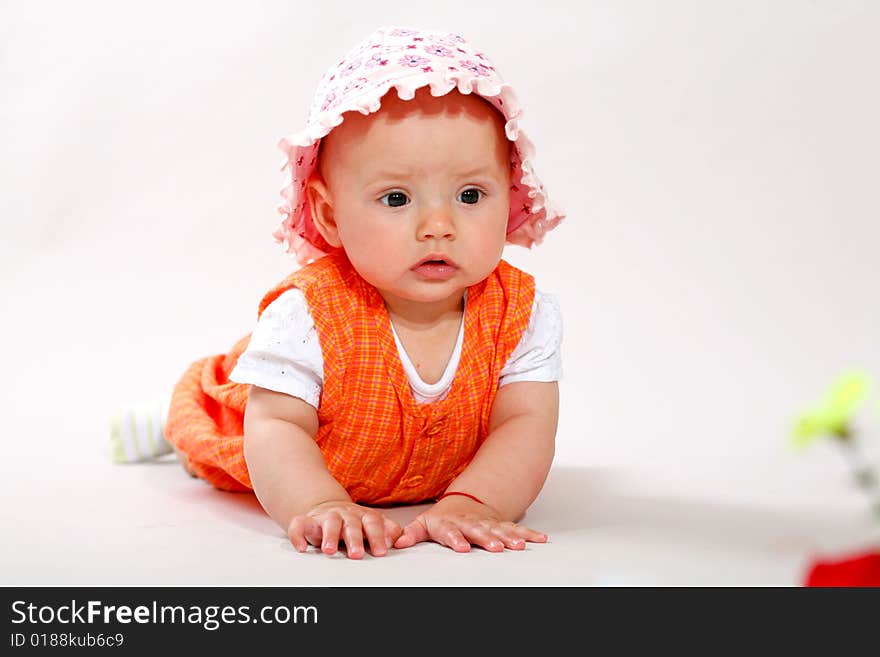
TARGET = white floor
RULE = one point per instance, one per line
(153, 525)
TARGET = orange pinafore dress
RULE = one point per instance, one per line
(379, 443)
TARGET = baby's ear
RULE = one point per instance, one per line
(321, 204)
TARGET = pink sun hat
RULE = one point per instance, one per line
(407, 59)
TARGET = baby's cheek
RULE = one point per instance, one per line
(357, 243)
(370, 264)
(365, 233)
(491, 238)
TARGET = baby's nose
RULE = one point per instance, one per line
(437, 225)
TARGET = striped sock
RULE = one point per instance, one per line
(137, 431)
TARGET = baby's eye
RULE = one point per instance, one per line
(395, 199)
(471, 196)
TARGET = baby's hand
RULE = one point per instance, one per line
(457, 522)
(327, 522)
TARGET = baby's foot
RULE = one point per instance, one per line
(137, 432)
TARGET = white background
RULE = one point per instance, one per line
(717, 161)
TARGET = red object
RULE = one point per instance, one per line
(455, 492)
(854, 570)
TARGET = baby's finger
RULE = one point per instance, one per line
(393, 531)
(511, 540)
(302, 531)
(330, 527)
(354, 538)
(529, 534)
(450, 536)
(415, 532)
(374, 529)
(480, 535)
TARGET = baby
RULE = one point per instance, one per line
(404, 361)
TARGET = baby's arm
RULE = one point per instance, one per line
(293, 484)
(507, 474)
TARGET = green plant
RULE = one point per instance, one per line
(832, 418)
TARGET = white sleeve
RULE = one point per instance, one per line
(538, 356)
(284, 354)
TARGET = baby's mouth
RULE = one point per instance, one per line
(436, 259)
(436, 267)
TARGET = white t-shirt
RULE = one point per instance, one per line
(284, 354)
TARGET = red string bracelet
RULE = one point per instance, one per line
(455, 492)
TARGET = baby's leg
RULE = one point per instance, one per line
(137, 431)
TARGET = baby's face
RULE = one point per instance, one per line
(427, 177)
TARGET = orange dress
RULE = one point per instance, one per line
(377, 441)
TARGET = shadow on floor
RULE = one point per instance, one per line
(600, 500)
